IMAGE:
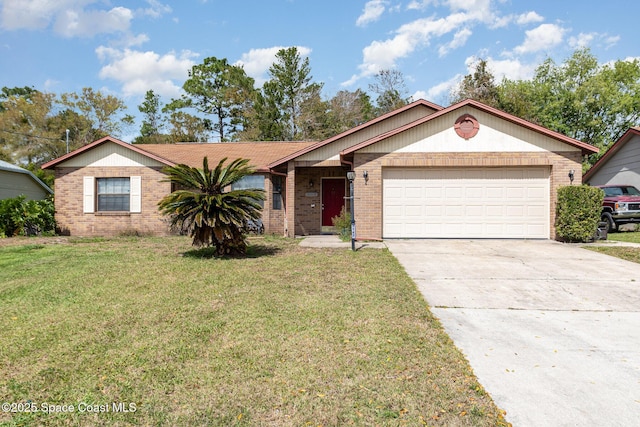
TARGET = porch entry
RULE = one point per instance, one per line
(333, 192)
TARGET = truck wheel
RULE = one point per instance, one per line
(611, 224)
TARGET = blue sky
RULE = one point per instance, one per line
(125, 48)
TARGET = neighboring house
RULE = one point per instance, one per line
(422, 171)
(16, 181)
(620, 164)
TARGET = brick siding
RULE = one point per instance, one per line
(72, 220)
(368, 195)
(308, 199)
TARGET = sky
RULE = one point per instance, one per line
(125, 48)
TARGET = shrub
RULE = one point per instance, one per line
(21, 217)
(578, 212)
(342, 223)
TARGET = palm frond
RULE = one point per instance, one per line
(201, 206)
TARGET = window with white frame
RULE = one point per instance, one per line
(113, 194)
(117, 194)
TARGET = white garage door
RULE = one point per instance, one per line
(466, 202)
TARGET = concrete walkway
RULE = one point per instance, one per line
(552, 331)
(333, 241)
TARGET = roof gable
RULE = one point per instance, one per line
(611, 152)
(585, 148)
(107, 139)
(259, 153)
(420, 109)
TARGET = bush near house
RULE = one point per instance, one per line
(342, 224)
(578, 212)
(21, 217)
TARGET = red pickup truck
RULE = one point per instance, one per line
(621, 205)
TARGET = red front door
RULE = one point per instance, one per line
(332, 199)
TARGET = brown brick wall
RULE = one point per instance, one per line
(368, 200)
(71, 219)
(273, 219)
(69, 203)
(308, 199)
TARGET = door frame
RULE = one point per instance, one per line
(322, 181)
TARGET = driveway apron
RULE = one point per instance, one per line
(552, 331)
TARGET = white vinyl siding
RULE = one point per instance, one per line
(466, 202)
(88, 194)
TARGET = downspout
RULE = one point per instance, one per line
(286, 223)
(345, 161)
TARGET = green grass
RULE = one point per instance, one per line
(289, 336)
(628, 253)
(625, 236)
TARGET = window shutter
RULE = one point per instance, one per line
(88, 194)
(136, 194)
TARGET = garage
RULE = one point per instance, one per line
(500, 202)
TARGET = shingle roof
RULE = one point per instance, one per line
(17, 169)
(260, 154)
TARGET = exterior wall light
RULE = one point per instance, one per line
(571, 175)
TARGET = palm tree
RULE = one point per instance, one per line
(211, 215)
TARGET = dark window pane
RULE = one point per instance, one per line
(113, 194)
(276, 182)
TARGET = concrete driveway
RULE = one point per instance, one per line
(552, 331)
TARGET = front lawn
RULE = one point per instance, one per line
(625, 236)
(290, 336)
(624, 252)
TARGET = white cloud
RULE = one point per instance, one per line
(529, 17)
(50, 85)
(73, 18)
(522, 19)
(70, 18)
(81, 23)
(543, 37)
(381, 55)
(476, 9)
(443, 90)
(512, 69)
(588, 39)
(421, 5)
(372, 11)
(130, 40)
(257, 62)
(459, 39)
(156, 9)
(610, 41)
(581, 40)
(140, 71)
(31, 14)
(420, 94)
